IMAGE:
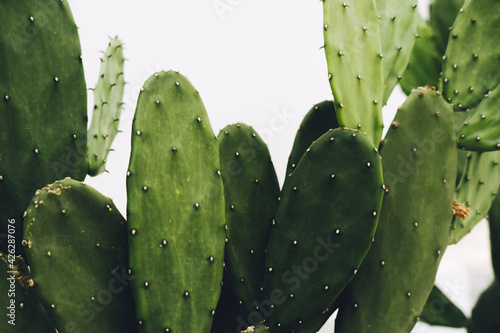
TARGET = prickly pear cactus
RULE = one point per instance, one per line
(108, 97)
(76, 245)
(43, 102)
(354, 58)
(23, 312)
(494, 223)
(472, 53)
(396, 277)
(480, 131)
(398, 25)
(318, 120)
(175, 208)
(476, 192)
(324, 226)
(251, 192)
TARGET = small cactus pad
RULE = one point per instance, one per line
(251, 192)
(323, 228)
(480, 131)
(442, 15)
(472, 54)
(320, 118)
(22, 312)
(398, 25)
(439, 310)
(354, 57)
(43, 102)
(175, 208)
(425, 62)
(397, 275)
(108, 97)
(475, 193)
(485, 316)
(76, 245)
(494, 223)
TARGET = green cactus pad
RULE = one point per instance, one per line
(494, 223)
(485, 316)
(476, 191)
(472, 54)
(76, 245)
(23, 313)
(318, 120)
(440, 311)
(442, 15)
(43, 102)
(354, 57)
(108, 97)
(398, 25)
(323, 228)
(175, 208)
(251, 192)
(480, 131)
(396, 277)
(425, 61)
(460, 117)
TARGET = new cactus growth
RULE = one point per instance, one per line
(175, 208)
(43, 103)
(251, 192)
(412, 234)
(308, 259)
(108, 96)
(76, 245)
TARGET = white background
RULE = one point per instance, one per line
(257, 62)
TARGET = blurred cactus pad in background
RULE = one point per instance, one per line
(210, 242)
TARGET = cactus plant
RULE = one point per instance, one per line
(64, 220)
(334, 236)
(175, 208)
(108, 96)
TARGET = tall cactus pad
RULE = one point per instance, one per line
(485, 316)
(480, 131)
(398, 25)
(175, 208)
(494, 223)
(424, 66)
(108, 97)
(476, 192)
(472, 55)
(326, 219)
(23, 313)
(320, 118)
(251, 192)
(76, 244)
(43, 102)
(354, 57)
(396, 277)
(439, 310)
